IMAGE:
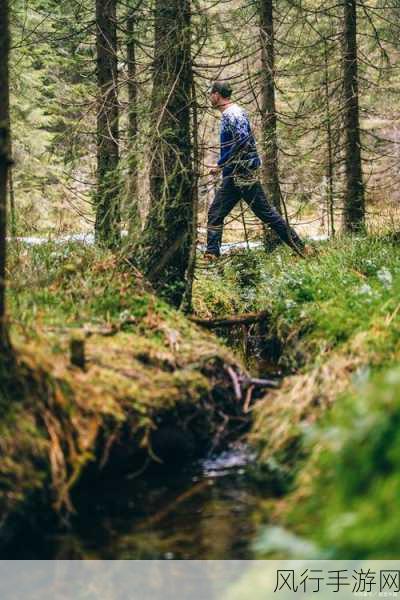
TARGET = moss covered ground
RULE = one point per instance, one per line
(332, 425)
(335, 318)
(144, 363)
(346, 495)
(330, 429)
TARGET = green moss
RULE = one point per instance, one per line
(324, 301)
(351, 506)
(144, 360)
(337, 319)
(76, 283)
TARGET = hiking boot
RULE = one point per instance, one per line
(209, 257)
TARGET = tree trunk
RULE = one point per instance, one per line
(107, 227)
(4, 163)
(354, 206)
(330, 204)
(132, 201)
(13, 216)
(270, 173)
(186, 304)
(168, 235)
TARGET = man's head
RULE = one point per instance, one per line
(220, 93)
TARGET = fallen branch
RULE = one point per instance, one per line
(87, 331)
(111, 330)
(249, 394)
(235, 382)
(241, 383)
(244, 319)
(164, 512)
(256, 382)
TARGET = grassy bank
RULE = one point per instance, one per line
(333, 317)
(346, 496)
(333, 425)
(155, 387)
(146, 368)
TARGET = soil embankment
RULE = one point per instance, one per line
(91, 395)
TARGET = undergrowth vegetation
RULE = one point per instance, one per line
(315, 305)
(330, 429)
(333, 425)
(73, 283)
(145, 367)
(347, 492)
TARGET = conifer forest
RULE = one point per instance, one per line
(199, 279)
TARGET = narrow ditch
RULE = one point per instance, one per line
(199, 495)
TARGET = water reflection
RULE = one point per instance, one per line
(213, 511)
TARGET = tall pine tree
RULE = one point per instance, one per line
(354, 204)
(133, 125)
(107, 227)
(269, 121)
(4, 162)
(168, 234)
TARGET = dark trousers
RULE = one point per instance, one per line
(228, 195)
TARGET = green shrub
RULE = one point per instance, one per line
(352, 508)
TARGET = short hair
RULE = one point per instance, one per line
(222, 88)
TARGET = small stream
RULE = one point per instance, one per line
(212, 510)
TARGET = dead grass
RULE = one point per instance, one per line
(283, 415)
(60, 419)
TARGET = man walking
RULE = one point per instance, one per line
(239, 162)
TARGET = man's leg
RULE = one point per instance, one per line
(257, 201)
(225, 199)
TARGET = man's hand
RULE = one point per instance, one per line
(213, 169)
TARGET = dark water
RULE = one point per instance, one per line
(214, 510)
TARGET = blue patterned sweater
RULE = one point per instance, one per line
(238, 147)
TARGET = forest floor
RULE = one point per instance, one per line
(151, 386)
(108, 373)
(334, 332)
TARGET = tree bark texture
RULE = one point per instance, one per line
(5, 160)
(168, 234)
(133, 129)
(107, 226)
(330, 204)
(270, 172)
(354, 204)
